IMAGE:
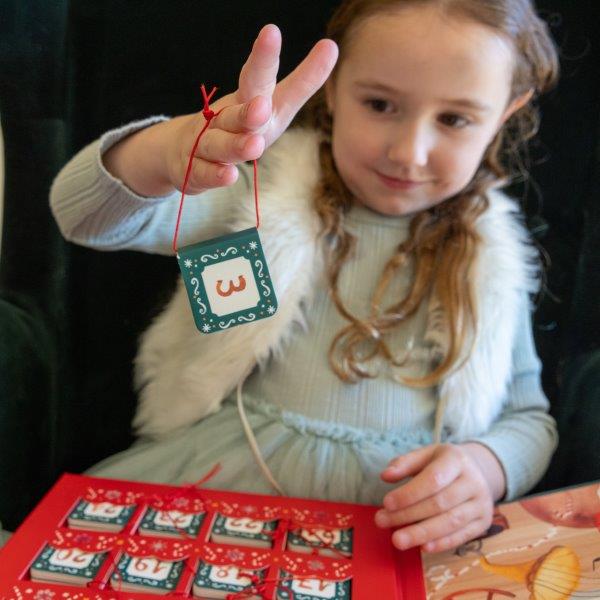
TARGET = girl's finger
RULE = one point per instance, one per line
(221, 146)
(440, 526)
(293, 91)
(444, 468)
(259, 74)
(206, 175)
(458, 538)
(458, 492)
(409, 463)
(244, 118)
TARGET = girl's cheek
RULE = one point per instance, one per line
(461, 166)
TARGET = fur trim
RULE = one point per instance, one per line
(183, 375)
(504, 273)
(174, 359)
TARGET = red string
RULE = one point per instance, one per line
(259, 586)
(114, 572)
(191, 488)
(298, 529)
(326, 544)
(194, 486)
(208, 115)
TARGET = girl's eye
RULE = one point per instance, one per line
(454, 121)
(378, 105)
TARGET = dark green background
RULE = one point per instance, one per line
(70, 317)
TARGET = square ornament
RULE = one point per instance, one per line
(328, 542)
(100, 516)
(170, 523)
(227, 281)
(244, 531)
(305, 588)
(147, 574)
(71, 566)
(220, 581)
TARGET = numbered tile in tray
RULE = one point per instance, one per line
(217, 581)
(308, 588)
(244, 531)
(66, 565)
(147, 575)
(100, 516)
(170, 523)
(329, 542)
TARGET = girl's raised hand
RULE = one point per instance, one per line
(251, 118)
(448, 501)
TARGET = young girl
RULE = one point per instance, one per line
(400, 367)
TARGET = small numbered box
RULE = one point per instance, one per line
(66, 565)
(218, 581)
(328, 542)
(170, 523)
(308, 588)
(147, 574)
(244, 531)
(100, 516)
(227, 281)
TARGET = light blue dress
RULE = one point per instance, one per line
(321, 438)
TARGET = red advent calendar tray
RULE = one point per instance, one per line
(104, 539)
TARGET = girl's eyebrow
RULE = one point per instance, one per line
(466, 102)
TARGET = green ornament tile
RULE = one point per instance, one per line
(312, 589)
(84, 511)
(72, 562)
(152, 522)
(342, 544)
(220, 528)
(222, 579)
(227, 281)
(149, 572)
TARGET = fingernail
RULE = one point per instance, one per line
(221, 172)
(242, 143)
(402, 540)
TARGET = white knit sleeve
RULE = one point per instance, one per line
(95, 209)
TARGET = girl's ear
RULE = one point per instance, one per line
(515, 105)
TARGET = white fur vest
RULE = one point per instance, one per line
(183, 375)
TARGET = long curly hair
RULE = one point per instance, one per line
(442, 241)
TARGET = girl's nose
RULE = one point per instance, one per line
(410, 146)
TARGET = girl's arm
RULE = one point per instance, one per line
(122, 192)
(524, 437)
(96, 209)
(450, 497)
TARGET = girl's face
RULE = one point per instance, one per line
(416, 100)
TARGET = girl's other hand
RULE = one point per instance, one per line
(251, 118)
(449, 500)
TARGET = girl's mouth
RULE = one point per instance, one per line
(399, 184)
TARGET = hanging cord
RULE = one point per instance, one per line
(252, 439)
(208, 115)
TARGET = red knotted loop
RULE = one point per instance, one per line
(206, 111)
(208, 114)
